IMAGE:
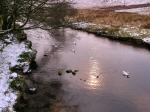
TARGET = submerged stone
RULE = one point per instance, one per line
(69, 71)
(73, 73)
(60, 73)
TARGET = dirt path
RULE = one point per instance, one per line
(121, 7)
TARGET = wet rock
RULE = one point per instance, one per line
(29, 71)
(60, 73)
(73, 73)
(33, 65)
(69, 71)
(23, 37)
(32, 90)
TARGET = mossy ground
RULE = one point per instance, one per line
(27, 56)
(18, 84)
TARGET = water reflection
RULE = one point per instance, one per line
(94, 79)
(100, 63)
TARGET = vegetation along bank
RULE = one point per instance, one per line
(122, 26)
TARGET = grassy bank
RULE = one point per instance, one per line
(111, 24)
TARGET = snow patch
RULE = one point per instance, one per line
(13, 75)
(9, 58)
(147, 39)
(104, 3)
(137, 10)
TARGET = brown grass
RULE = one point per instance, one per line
(147, 26)
(110, 17)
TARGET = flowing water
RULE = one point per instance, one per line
(99, 85)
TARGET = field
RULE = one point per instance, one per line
(113, 22)
(113, 18)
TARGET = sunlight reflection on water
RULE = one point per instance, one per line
(94, 71)
(99, 86)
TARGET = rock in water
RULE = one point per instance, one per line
(60, 73)
(69, 71)
(32, 90)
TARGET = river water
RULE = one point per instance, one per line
(99, 85)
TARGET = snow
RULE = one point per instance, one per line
(8, 58)
(13, 75)
(26, 67)
(84, 25)
(137, 10)
(104, 3)
(147, 39)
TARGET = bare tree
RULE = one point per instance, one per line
(44, 14)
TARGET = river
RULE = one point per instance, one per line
(99, 85)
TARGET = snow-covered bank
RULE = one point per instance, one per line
(42, 41)
(120, 32)
(9, 56)
(131, 34)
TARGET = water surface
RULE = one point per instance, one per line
(99, 86)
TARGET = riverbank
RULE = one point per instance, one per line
(14, 55)
(133, 35)
(124, 26)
